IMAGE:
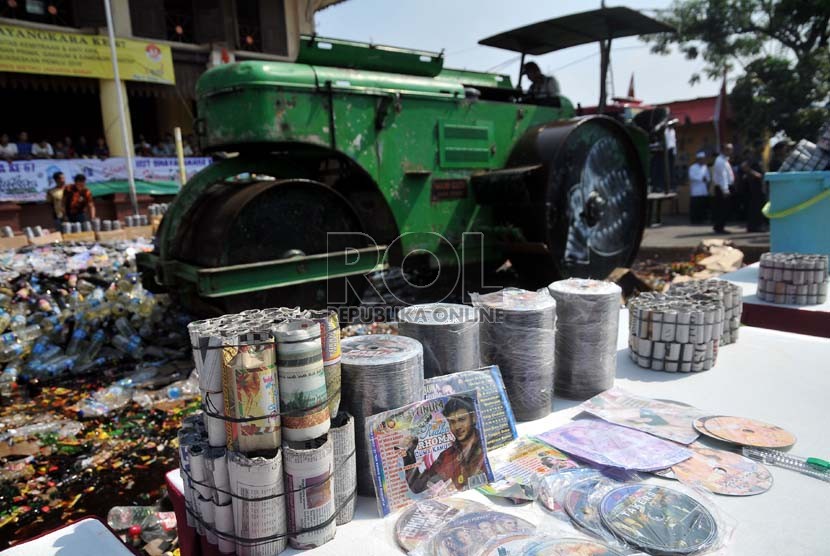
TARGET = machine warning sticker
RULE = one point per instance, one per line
(448, 190)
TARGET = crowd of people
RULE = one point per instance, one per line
(25, 149)
(734, 187)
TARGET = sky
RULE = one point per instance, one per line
(456, 26)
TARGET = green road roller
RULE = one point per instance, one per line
(357, 157)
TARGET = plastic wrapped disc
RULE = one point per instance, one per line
(723, 472)
(468, 533)
(658, 520)
(449, 334)
(581, 509)
(379, 372)
(421, 520)
(544, 545)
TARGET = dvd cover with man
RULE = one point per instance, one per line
(427, 449)
(499, 422)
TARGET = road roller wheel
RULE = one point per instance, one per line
(239, 223)
(588, 201)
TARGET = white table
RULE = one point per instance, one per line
(81, 538)
(773, 376)
(802, 319)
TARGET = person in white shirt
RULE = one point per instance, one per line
(698, 189)
(670, 137)
(42, 149)
(724, 178)
(8, 151)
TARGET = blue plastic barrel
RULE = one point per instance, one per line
(799, 212)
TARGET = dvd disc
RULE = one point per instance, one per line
(468, 533)
(544, 545)
(552, 486)
(420, 521)
(745, 432)
(581, 509)
(658, 520)
(568, 547)
(723, 472)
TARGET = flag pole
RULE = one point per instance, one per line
(128, 148)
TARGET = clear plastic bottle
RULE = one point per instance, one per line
(95, 344)
(121, 518)
(78, 335)
(124, 327)
(10, 348)
(5, 319)
(130, 346)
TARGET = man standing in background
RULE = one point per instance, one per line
(55, 198)
(723, 178)
(698, 189)
(77, 199)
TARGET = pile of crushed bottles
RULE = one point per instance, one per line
(96, 377)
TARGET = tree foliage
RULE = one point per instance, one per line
(778, 49)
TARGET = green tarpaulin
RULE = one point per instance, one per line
(141, 188)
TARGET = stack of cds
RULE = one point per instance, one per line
(674, 334)
(380, 372)
(727, 292)
(517, 334)
(449, 334)
(806, 157)
(793, 279)
(588, 318)
(258, 465)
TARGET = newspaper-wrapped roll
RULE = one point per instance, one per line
(309, 485)
(793, 278)
(587, 325)
(517, 334)
(380, 372)
(223, 516)
(258, 503)
(330, 340)
(727, 292)
(250, 390)
(449, 334)
(668, 333)
(216, 428)
(188, 437)
(216, 467)
(341, 435)
(206, 344)
(201, 489)
(305, 411)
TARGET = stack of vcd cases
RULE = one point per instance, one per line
(675, 333)
(793, 278)
(730, 294)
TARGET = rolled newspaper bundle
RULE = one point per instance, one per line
(201, 489)
(330, 341)
(216, 467)
(728, 293)
(517, 334)
(588, 318)
(303, 402)
(380, 372)
(251, 390)
(214, 402)
(258, 503)
(675, 334)
(309, 485)
(345, 474)
(188, 437)
(793, 278)
(449, 334)
(223, 515)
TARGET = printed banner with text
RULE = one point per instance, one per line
(29, 180)
(27, 50)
